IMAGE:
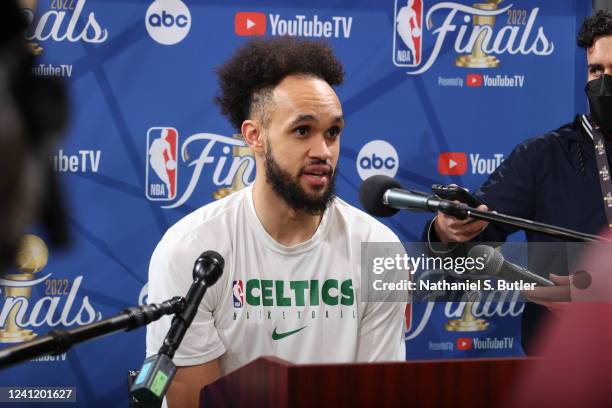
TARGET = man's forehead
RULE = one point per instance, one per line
(601, 48)
(302, 86)
(306, 97)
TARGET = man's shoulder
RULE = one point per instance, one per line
(563, 134)
(549, 143)
(363, 225)
(208, 224)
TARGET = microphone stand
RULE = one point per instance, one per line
(158, 370)
(59, 341)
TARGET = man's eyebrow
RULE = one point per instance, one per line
(311, 118)
(303, 118)
(339, 119)
(595, 66)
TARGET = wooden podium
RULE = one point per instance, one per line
(272, 382)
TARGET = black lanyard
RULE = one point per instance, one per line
(603, 170)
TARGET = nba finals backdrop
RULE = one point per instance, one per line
(435, 92)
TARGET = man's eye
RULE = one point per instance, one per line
(597, 72)
(333, 132)
(302, 131)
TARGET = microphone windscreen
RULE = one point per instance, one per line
(494, 260)
(209, 266)
(371, 195)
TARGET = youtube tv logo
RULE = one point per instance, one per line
(473, 80)
(250, 23)
(452, 163)
(464, 343)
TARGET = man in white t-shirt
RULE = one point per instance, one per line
(291, 286)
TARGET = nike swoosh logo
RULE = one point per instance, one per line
(278, 336)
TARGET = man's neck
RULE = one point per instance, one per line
(285, 225)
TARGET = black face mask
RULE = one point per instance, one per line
(599, 92)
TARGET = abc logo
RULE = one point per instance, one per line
(377, 157)
(168, 21)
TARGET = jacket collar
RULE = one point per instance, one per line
(582, 127)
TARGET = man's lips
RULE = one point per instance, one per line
(316, 174)
(315, 179)
(317, 168)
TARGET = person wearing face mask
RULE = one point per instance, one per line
(560, 178)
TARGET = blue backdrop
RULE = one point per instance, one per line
(446, 89)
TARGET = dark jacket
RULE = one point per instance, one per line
(551, 179)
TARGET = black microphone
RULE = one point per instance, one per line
(383, 196)
(495, 265)
(158, 370)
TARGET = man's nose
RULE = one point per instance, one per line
(320, 148)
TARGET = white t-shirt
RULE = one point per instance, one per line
(301, 303)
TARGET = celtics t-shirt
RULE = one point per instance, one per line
(299, 303)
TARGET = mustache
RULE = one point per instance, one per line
(318, 162)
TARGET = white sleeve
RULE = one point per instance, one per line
(381, 332)
(382, 325)
(170, 274)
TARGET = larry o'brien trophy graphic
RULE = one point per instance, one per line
(31, 259)
(29, 10)
(468, 322)
(238, 182)
(478, 58)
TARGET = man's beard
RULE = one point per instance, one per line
(291, 191)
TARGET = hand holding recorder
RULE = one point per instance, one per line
(452, 229)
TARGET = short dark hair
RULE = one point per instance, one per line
(598, 25)
(247, 79)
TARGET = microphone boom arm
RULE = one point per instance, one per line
(533, 226)
(59, 341)
(416, 201)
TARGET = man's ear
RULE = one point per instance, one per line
(251, 131)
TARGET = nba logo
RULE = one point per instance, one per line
(408, 33)
(162, 150)
(238, 293)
